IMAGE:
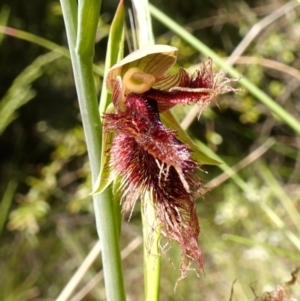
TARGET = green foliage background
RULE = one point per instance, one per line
(250, 223)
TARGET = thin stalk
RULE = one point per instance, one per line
(151, 233)
(82, 62)
(151, 229)
(261, 96)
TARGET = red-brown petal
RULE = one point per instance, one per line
(149, 158)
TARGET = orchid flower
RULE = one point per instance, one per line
(149, 157)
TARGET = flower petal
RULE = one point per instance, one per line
(155, 60)
(174, 205)
(200, 89)
(149, 158)
(179, 79)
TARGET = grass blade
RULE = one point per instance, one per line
(6, 202)
(251, 243)
(259, 94)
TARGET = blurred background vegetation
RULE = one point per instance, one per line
(250, 222)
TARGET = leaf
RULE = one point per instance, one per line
(115, 49)
(116, 37)
(4, 15)
(88, 16)
(20, 91)
(168, 119)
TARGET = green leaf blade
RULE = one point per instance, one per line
(88, 16)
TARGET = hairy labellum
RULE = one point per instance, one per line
(148, 157)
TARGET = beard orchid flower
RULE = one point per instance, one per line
(149, 157)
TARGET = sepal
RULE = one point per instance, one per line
(105, 175)
(168, 119)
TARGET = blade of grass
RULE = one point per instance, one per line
(281, 195)
(32, 38)
(4, 14)
(79, 274)
(201, 47)
(224, 166)
(257, 28)
(77, 252)
(6, 202)
(246, 41)
(251, 243)
(280, 224)
(99, 276)
(88, 17)
(115, 49)
(23, 35)
(230, 172)
(257, 153)
(107, 226)
(20, 91)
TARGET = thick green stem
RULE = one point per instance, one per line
(81, 58)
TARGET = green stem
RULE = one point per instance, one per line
(264, 98)
(81, 58)
(151, 228)
(151, 233)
